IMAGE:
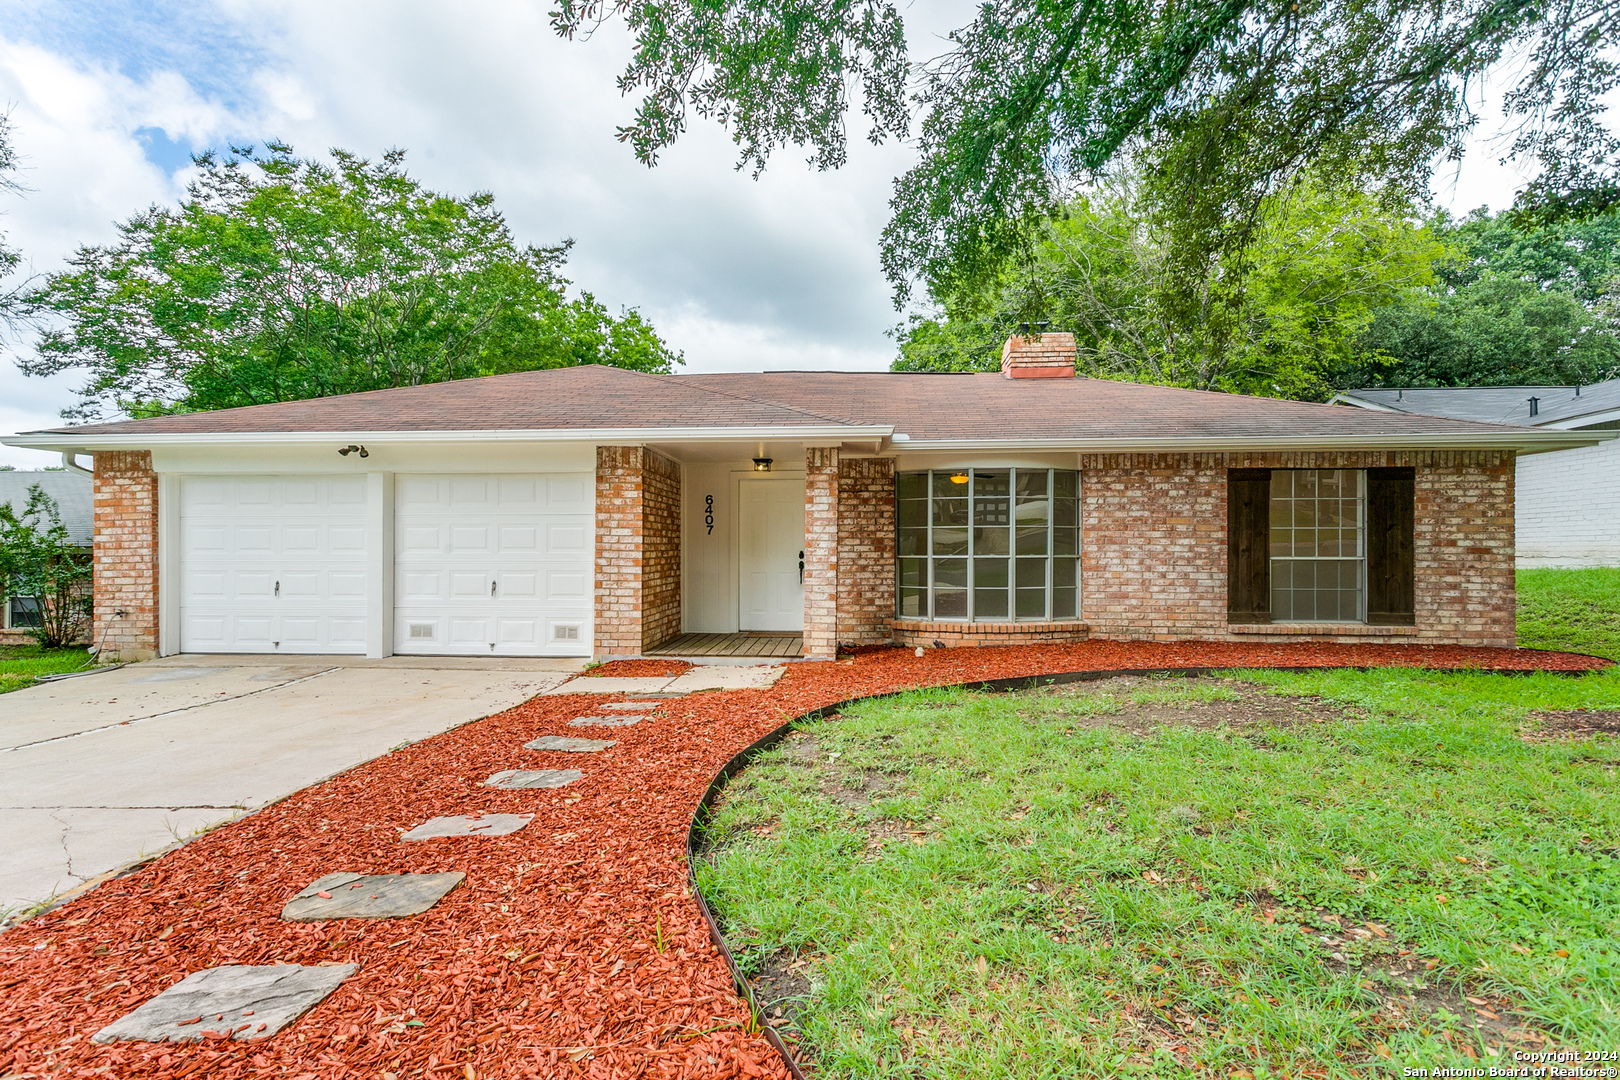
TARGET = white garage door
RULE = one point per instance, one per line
(273, 564)
(493, 565)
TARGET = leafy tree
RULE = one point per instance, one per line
(1511, 305)
(1278, 321)
(279, 278)
(39, 560)
(10, 258)
(1226, 104)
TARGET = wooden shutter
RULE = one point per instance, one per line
(1391, 574)
(1248, 545)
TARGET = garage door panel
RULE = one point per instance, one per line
(478, 559)
(273, 564)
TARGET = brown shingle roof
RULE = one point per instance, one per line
(927, 407)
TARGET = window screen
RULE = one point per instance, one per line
(988, 545)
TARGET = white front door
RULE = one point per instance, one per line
(770, 554)
(493, 565)
(273, 564)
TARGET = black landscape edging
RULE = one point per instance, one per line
(744, 757)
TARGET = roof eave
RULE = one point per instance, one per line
(822, 433)
(1530, 441)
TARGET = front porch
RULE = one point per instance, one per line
(749, 644)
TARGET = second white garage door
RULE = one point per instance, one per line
(493, 565)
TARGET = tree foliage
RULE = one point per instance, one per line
(1225, 103)
(1510, 305)
(1281, 320)
(38, 560)
(279, 278)
(10, 258)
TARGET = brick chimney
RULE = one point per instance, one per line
(1038, 356)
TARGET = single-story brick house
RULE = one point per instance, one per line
(592, 511)
(1568, 501)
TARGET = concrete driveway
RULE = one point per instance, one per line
(99, 771)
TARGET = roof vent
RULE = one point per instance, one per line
(1535, 406)
(1038, 356)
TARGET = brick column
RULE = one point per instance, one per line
(126, 555)
(865, 550)
(638, 550)
(821, 552)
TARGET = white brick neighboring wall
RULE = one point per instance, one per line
(1569, 507)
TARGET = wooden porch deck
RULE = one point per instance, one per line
(752, 644)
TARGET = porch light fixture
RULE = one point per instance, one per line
(959, 478)
(762, 464)
(347, 450)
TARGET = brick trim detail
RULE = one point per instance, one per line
(638, 550)
(1153, 544)
(125, 560)
(821, 543)
(910, 632)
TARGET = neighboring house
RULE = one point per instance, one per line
(592, 511)
(1569, 500)
(73, 493)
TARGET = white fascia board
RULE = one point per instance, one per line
(1363, 403)
(1531, 440)
(1569, 423)
(819, 434)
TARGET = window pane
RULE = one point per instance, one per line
(950, 511)
(991, 484)
(1282, 484)
(1304, 483)
(1304, 543)
(914, 603)
(1327, 484)
(1063, 573)
(990, 573)
(950, 541)
(1031, 603)
(951, 573)
(1066, 484)
(1063, 511)
(1032, 573)
(913, 573)
(25, 613)
(950, 603)
(1282, 542)
(1032, 482)
(989, 603)
(1327, 514)
(990, 511)
(1304, 513)
(1063, 603)
(1327, 542)
(912, 542)
(912, 513)
(1032, 541)
(951, 485)
(1282, 513)
(1031, 512)
(990, 542)
(1065, 541)
(911, 485)
(1350, 484)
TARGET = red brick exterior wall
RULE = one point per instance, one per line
(954, 634)
(638, 550)
(821, 544)
(1153, 544)
(126, 555)
(865, 550)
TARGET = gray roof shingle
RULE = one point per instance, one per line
(1498, 404)
(74, 494)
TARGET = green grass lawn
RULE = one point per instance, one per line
(1333, 874)
(21, 665)
(1574, 610)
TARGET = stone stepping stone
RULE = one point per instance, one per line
(462, 825)
(245, 1001)
(632, 706)
(569, 746)
(534, 778)
(605, 721)
(369, 896)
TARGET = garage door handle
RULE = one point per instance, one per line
(492, 588)
(278, 588)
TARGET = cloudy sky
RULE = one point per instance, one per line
(108, 101)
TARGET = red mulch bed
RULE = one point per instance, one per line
(546, 962)
(640, 669)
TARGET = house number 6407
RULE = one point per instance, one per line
(708, 512)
